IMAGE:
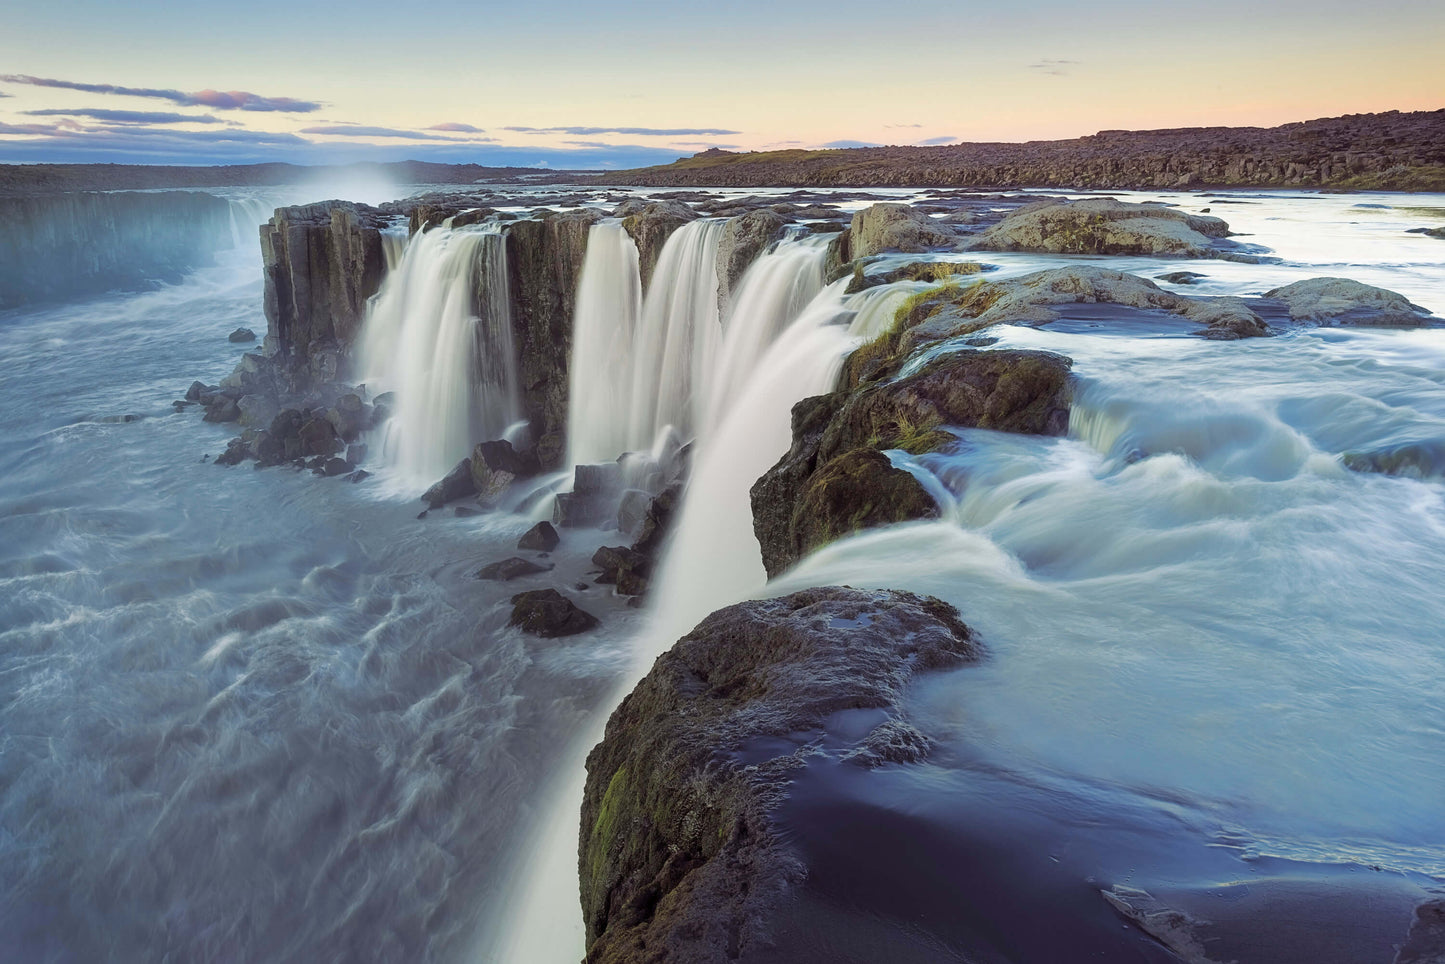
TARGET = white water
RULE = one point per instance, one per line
(609, 295)
(677, 336)
(439, 334)
(247, 216)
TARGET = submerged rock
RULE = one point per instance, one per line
(1344, 302)
(679, 859)
(917, 271)
(548, 613)
(1106, 226)
(889, 226)
(509, 569)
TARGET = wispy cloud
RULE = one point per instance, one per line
(127, 116)
(707, 145)
(839, 145)
(1058, 68)
(895, 126)
(214, 99)
(936, 141)
(457, 128)
(70, 134)
(361, 130)
(634, 131)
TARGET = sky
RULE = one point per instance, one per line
(575, 84)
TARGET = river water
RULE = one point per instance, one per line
(265, 716)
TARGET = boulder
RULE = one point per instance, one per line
(193, 394)
(542, 537)
(241, 335)
(335, 467)
(222, 409)
(617, 560)
(1340, 301)
(743, 239)
(1106, 226)
(257, 411)
(457, 484)
(350, 416)
(890, 226)
(318, 437)
(679, 858)
(500, 456)
(804, 500)
(548, 613)
(651, 227)
(657, 521)
(509, 569)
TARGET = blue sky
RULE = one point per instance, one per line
(570, 84)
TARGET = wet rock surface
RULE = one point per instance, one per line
(1345, 302)
(548, 613)
(678, 857)
(1106, 226)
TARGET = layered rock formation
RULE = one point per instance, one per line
(679, 859)
(1106, 226)
(62, 246)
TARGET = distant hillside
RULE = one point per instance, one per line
(1390, 151)
(51, 178)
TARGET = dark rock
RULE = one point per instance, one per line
(236, 452)
(657, 522)
(287, 424)
(224, 409)
(509, 569)
(542, 537)
(614, 560)
(651, 227)
(242, 335)
(359, 475)
(548, 613)
(350, 416)
(318, 437)
(334, 467)
(257, 411)
(743, 239)
(193, 394)
(917, 271)
(1181, 277)
(574, 510)
(1426, 941)
(679, 857)
(604, 478)
(465, 511)
(632, 510)
(500, 456)
(457, 484)
(356, 453)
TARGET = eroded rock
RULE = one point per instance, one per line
(889, 226)
(1340, 301)
(1106, 226)
(548, 613)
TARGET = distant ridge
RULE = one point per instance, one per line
(1388, 151)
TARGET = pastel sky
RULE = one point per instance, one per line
(570, 83)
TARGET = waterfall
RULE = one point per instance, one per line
(439, 334)
(771, 294)
(393, 244)
(247, 215)
(677, 336)
(609, 293)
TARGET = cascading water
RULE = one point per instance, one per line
(609, 294)
(770, 295)
(439, 334)
(247, 216)
(677, 336)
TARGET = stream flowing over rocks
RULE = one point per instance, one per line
(797, 575)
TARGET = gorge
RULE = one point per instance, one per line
(968, 576)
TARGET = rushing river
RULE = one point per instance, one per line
(267, 716)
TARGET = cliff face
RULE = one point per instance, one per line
(60, 246)
(1388, 151)
(321, 263)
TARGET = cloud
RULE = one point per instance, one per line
(457, 128)
(360, 130)
(215, 99)
(707, 145)
(3, 94)
(1057, 68)
(634, 131)
(839, 145)
(127, 116)
(894, 126)
(936, 141)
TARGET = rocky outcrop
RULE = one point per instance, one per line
(544, 258)
(1340, 301)
(57, 247)
(743, 239)
(549, 614)
(650, 227)
(896, 227)
(1106, 226)
(834, 479)
(917, 271)
(678, 857)
(1387, 151)
(321, 263)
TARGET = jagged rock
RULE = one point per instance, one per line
(242, 335)
(499, 456)
(603, 478)
(193, 394)
(223, 409)
(1417, 460)
(1345, 302)
(679, 858)
(651, 227)
(1173, 928)
(803, 501)
(237, 451)
(256, 410)
(509, 569)
(616, 560)
(381, 408)
(1106, 226)
(632, 510)
(457, 484)
(743, 239)
(575, 510)
(658, 520)
(356, 453)
(544, 258)
(321, 263)
(1426, 941)
(542, 537)
(334, 467)
(360, 475)
(318, 437)
(350, 416)
(889, 226)
(548, 613)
